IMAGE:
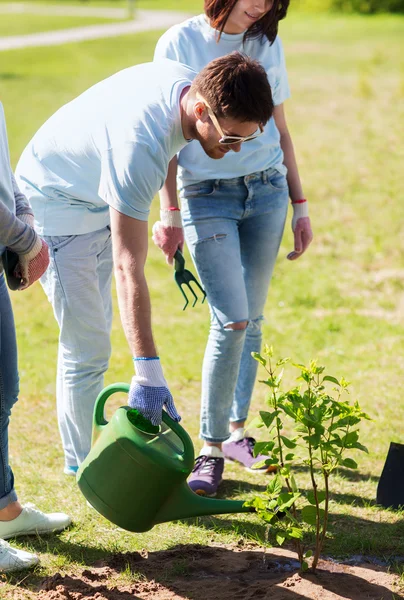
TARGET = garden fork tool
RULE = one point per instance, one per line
(183, 277)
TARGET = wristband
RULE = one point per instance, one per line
(300, 210)
(171, 217)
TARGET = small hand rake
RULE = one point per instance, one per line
(183, 277)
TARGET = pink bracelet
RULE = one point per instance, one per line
(172, 208)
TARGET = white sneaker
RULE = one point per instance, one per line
(31, 521)
(12, 559)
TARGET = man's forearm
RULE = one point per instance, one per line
(168, 193)
(135, 309)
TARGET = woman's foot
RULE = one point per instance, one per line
(241, 449)
(207, 472)
(13, 559)
(31, 521)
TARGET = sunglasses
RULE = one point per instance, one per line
(228, 140)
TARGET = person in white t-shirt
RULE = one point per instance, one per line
(90, 174)
(233, 215)
(17, 236)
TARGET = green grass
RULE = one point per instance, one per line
(343, 303)
(189, 6)
(22, 24)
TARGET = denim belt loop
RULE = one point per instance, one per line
(216, 184)
(264, 176)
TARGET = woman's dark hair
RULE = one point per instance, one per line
(218, 12)
(236, 87)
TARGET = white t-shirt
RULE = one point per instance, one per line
(110, 146)
(6, 186)
(194, 43)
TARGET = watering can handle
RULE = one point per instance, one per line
(99, 419)
(115, 388)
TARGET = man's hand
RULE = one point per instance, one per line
(33, 265)
(301, 227)
(168, 233)
(149, 392)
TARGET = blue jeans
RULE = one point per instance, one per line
(9, 388)
(78, 285)
(233, 229)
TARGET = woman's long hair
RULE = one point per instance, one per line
(218, 12)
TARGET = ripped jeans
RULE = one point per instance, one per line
(233, 229)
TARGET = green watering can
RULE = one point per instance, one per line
(135, 474)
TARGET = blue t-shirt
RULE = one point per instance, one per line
(108, 147)
(194, 43)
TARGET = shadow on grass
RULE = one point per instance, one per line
(191, 570)
(9, 76)
(347, 534)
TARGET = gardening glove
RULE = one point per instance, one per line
(168, 233)
(149, 391)
(33, 264)
(301, 228)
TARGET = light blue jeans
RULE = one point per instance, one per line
(9, 387)
(233, 229)
(78, 285)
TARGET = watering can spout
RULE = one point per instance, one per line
(184, 503)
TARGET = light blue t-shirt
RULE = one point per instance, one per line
(6, 185)
(108, 147)
(194, 43)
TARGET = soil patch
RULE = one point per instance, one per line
(222, 572)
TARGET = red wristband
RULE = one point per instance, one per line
(172, 208)
(302, 201)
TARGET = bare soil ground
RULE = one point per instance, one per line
(222, 572)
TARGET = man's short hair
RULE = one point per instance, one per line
(236, 87)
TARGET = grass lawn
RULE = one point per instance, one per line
(22, 24)
(189, 6)
(343, 303)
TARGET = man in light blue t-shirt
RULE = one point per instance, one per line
(90, 173)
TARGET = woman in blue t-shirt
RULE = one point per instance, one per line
(233, 212)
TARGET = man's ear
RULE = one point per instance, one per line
(200, 111)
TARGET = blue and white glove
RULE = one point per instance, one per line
(149, 391)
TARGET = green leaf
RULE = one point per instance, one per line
(282, 361)
(289, 456)
(256, 423)
(257, 356)
(349, 463)
(332, 379)
(260, 464)
(268, 417)
(263, 448)
(286, 409)
(280, 538)
(295, 532)
(309, 514)
(359, 446)
(293, 484)
(305, 566)
(350, 438)
(274, 487)
(268, 350)
(269, 382)
(285, 472)
(308, 554)
(286, 500)
(288, 443)
(321, 496)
